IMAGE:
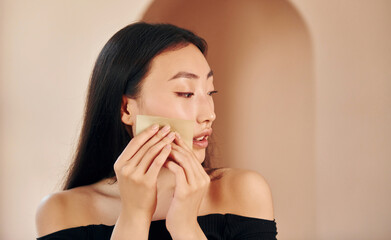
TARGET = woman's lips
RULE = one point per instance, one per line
(201, 144)
(203, 136)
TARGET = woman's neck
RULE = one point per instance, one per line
(109, 187)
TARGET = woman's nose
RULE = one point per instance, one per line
(210, 117)
(206, 112)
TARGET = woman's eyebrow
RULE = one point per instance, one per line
(189, 75)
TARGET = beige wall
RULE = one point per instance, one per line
(310, 82)
(352, 45)
(47, 53)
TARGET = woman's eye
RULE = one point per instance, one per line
(185, 94)
(212, 92)
(190, 94)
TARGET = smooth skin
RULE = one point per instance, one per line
(160, 177)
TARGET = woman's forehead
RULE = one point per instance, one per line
(188, 59)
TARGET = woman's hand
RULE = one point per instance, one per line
(137, 169)
(192, 183)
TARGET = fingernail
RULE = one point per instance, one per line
(155, 127)
(171, 136)
(166, 129)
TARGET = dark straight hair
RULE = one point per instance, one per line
(119, 70)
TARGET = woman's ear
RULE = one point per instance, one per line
(127, 110)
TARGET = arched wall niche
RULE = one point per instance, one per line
(261, 54)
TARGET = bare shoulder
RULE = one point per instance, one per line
(249, 193)
(62, 210)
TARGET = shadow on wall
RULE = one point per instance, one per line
(261, 54)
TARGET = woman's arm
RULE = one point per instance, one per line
(137, 169)
(191, 185)
(135, 226)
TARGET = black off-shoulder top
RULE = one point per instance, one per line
(216, 226)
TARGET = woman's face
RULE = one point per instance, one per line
(179, 85)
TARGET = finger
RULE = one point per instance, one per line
(151, 142)
(198, 169)
(179, 141)
(180, 178)
(184, 161)
(135, 144)
(183, 145)
(152, 152)
(159, 161)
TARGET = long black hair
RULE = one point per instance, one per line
(119, 69)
